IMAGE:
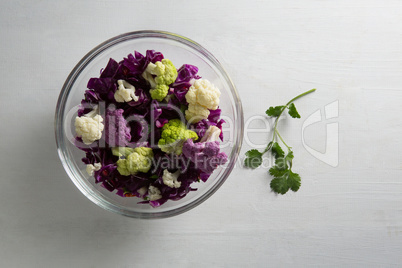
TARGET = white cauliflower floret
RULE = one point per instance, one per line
(156, 68)
(195, 113)
(91, 168)
(204, 93)
(153, 69)
(89, 126)
(202, 96)
(212, 134)
(125, 92)
(154, 193)
(142, 191)
(170, 179)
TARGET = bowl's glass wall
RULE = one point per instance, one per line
(180, 51)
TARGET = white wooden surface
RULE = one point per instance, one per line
(349, 215)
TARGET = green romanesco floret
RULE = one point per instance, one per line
(169, 75)
(159, 92)
(133, 160)
(160, 75)
(174, 134)
(122, 152)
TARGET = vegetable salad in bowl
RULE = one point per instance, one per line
(159, 130)
(148, 125)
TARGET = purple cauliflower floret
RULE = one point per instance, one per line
(206, 154)
(211, 148)
(117, 133)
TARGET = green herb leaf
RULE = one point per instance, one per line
(277, 150)
(253, 153)
(281, 163)
(274, 111)
(284, 180)
(289, 156)
(254, 158)
(276, 172)
(279, 185)
(268, 146)
(292, 111)
(294, 181)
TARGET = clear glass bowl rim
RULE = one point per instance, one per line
(59, 122)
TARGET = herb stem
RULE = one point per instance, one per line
(283, 109)
(299, 96)
(280, 137)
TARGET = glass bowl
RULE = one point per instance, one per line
(179, 50)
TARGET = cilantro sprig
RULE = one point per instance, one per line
(284, 178)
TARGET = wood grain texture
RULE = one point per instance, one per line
(344, 216)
